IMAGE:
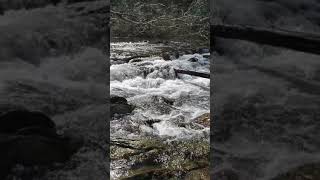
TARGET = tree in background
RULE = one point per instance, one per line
(183, 20)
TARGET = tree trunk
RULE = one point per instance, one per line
(192, 73)
(287, 39)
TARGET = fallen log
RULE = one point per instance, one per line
(192, 73)
(299, 41)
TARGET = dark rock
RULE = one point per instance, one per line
(30, 138)
(150, 122)
(120, 109)
(176, 54)
(166, 56)
(41, 150)
(193, 59)
(118, 100)
(206, 56)
(12, 121)
(36, 130)
(119, 105)
(168, 101)
(35, 150)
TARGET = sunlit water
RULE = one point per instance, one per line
(149, 85)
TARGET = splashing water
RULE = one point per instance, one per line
(169, 101)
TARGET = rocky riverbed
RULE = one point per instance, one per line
(166, 136)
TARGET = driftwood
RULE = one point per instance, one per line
(287, 39)
(192, 73)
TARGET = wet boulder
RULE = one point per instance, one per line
(119, 105)
(44, 150)
(15, 120)
(30, 138)
(166, 56)
(118, 100)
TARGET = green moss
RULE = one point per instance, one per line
(152, 157)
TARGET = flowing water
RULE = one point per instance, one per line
(265, 126)
(168, 100)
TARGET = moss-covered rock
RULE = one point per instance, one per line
(154, 158)
(204, 120)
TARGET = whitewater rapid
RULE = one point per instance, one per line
(169, 101)
(146, 84)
